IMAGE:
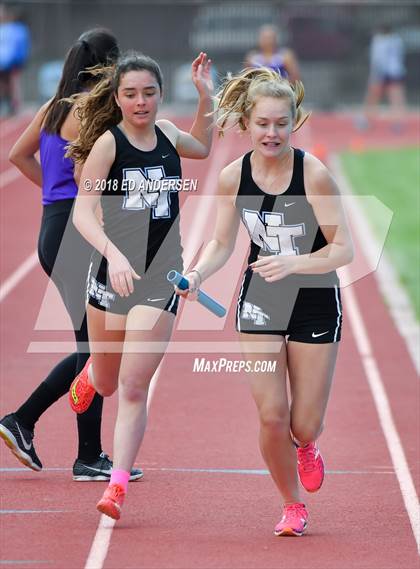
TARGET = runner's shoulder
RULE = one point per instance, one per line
(230, 177)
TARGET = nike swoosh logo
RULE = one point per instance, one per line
(155, 299)
(317, 335)
(289, 204)
(165, 155)
(101, 470)
(25, 444)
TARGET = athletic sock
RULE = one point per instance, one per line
(48, 392)
(120, 477)
(89, 429)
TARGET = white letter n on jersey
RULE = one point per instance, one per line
(141, 194)
(271, 234)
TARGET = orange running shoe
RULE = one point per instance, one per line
(294, 520)
(81, 393)
(111, 502)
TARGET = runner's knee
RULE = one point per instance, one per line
(133, 388)
(274, 419)
(306, 431)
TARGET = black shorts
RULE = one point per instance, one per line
(290, 308)
(155, 291)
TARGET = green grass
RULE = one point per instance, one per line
(393, 176)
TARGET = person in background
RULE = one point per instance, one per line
(269, 54)
(386, 77)
(15, 46)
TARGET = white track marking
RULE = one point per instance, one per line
(99, 549)
(383, 409)
(381, 470)
(24, 269)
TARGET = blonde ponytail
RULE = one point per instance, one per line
(238, 95)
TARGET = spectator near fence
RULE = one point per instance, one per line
(386, 77)
(269, 54)
(14, 52)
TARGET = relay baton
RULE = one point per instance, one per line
(207, 301)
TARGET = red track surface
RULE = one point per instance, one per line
(186, 518)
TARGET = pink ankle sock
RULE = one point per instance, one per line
(120, 477)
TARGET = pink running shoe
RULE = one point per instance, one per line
(81, 393)
(310, 467)
(111, 502)
(294, 520)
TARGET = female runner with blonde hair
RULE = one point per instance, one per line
(289, 296)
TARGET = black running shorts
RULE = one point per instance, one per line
(289, 308)
(155, 291)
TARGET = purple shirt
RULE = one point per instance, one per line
(276, 62)
(57, 171)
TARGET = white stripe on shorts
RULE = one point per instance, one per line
(338, 311)
(88, 282)
(172, 303)
(238, 319)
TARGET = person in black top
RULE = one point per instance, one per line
(132, 166)
(289, 297)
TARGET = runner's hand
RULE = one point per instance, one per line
(201, 75)
(275, 267)
(121, 274)
(194, 282)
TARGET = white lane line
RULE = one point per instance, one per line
(383, 409)
(100, 545)
(99, 549)
(38, 562)
(251, 471)
(7, 512)
(11, 282)
(9, 176)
